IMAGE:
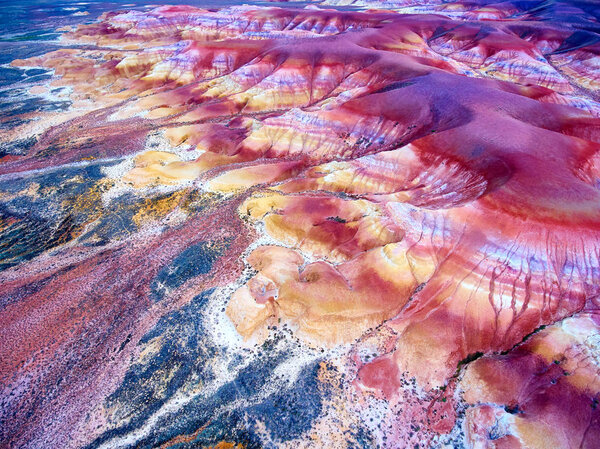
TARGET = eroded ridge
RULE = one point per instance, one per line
(429, 189)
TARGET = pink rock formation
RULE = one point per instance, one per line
(431, 184)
